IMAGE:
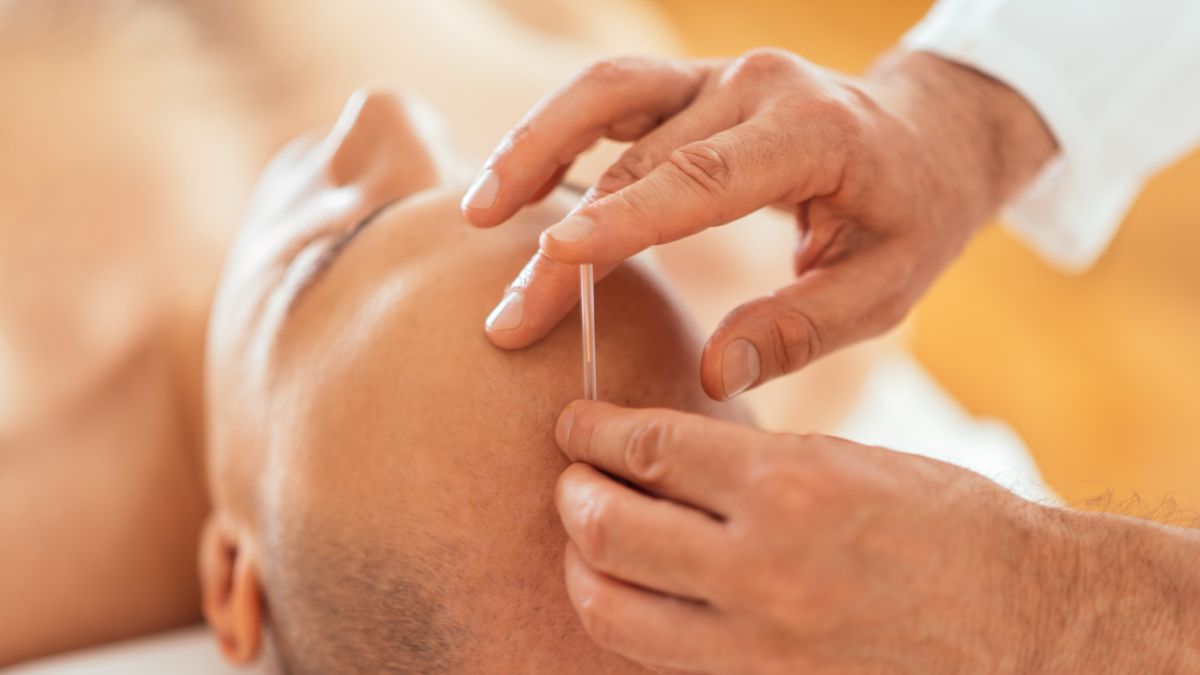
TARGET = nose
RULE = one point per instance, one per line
(385, 144)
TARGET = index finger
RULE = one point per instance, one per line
(541, 296)
(703, 184)
(620, 99)
(691, 459)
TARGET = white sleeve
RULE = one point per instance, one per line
(1117, 82)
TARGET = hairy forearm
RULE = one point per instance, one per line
(988, 140)
(1126, 597)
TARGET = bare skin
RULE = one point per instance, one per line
(741, 551)
(89, 446)
(331, 381)
(888, 178)
(348, 393)
(132, 139)
(776, 553)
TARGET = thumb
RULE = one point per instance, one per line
(825, 309)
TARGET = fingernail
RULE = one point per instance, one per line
(482, 193)
(562, 430)
(740, 367)
(572, 228)
(509, 313)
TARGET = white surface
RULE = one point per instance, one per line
(188, 651)
(900, 408)
(1116, 81)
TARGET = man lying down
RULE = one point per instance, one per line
(382, 477)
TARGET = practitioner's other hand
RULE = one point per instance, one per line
(741, 551)
(888, 176)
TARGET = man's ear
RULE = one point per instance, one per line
(232, 596)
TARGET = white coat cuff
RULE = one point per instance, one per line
(1071, 209)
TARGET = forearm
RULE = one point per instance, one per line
(987, 139)
(1126, 597)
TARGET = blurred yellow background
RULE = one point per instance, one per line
(1099, 371)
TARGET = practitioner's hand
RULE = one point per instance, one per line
(740, 551)
(887, 176)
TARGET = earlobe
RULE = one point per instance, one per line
(384, 143)
(232, 595)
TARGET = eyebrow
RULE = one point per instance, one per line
(335, 249)
(329, 255)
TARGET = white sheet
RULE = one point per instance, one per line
(901, 407)
(187, 651)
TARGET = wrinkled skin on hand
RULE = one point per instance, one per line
(887, 176)
(745, 551)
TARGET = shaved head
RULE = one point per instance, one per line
(342, 604)
(383, 475)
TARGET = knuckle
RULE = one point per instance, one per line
(594, 612)
(515, 138)
(634, 206)
(796, 338)
(645, 454)
(822, 105)
(845, 123)
(582, 434)
(849, 122)
(830, 110)
(762, 63)
(632, 127)
(628, 169)
(592, 539)
(784, 489)
(784, 481)
(704, 166)
(804, 483)
(609, 72)
(794, 444)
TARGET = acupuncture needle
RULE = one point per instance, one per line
(587, 310)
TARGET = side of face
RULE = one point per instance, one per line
(383, 475)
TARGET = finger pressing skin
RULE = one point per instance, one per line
(651, 543)
(549, 289)
(546, 290)
(647, 627)
(702, 184)
(618, 98)
(536, 301)
(691, 459)
(825, 309)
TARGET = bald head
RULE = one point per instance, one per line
(384, 475)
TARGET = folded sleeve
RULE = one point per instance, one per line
(1116, 81)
